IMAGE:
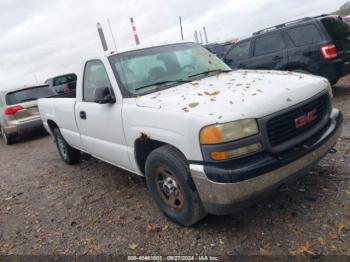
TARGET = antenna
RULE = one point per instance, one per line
(102, 37)
(110, 29)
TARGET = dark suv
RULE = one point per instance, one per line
(63, 85)
(317, 45)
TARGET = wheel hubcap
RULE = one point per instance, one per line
(169, 189)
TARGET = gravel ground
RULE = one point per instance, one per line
(47, 207)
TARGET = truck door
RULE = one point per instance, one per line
(100, 125)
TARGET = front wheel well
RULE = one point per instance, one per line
(144, 147)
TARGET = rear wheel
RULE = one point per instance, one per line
(8, 139)
(171, 186)
(68, 154)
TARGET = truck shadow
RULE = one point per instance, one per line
(30, 136)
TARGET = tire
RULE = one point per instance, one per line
(8, 139)
(171, 186)
(68, 154)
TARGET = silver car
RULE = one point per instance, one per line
(19, 110)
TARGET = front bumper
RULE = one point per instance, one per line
(224, 198)
(21, 127)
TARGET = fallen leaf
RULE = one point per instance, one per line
(341, 228)
(193, 104)
(185, 109)
(221, 242)
(165, 227)
(133, 246)
(333, 248)
(264, 252)
(194, 83)
(215, 93)
(347, 192)
(333, 236)
(322, 241)
(306, 248)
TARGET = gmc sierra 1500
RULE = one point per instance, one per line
(207, 139)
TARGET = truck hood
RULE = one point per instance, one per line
(236, 95)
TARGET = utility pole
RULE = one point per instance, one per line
(182, 34)
(110, 29)
(102, 37)
(137, 40)
(196, 36)
(205, 35)
(200, 36)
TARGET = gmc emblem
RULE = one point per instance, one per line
(305, 119)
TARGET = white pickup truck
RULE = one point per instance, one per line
(207, 139)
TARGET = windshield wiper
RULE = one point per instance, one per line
(211, 71)
(163, 82)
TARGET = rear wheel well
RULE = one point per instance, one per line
(143, 147)
(52, 125)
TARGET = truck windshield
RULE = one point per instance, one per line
(29, 94)
(153, 69)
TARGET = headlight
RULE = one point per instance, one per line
(222, 133)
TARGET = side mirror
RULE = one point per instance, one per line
(103, 95)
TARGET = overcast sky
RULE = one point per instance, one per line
(40, 38)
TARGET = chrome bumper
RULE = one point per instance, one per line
(225, 198)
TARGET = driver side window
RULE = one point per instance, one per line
(240, 52)
(95, 75)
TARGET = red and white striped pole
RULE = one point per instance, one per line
(137, 40)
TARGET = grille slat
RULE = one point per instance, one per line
(282, 128)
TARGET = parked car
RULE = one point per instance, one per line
(318, 45)
(19, 110)
(63, 84)
(220, 49)
(207, 139)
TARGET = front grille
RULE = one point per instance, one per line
(282, 128)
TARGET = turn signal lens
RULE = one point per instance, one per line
(219, 156)
(242, 151)
(231, 131)
(210, 135)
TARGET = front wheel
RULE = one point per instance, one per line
(171, 186)
(68, 154)
(8, 139)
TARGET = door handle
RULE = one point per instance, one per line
(277, 58)
(241, 66)
(82, 114)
